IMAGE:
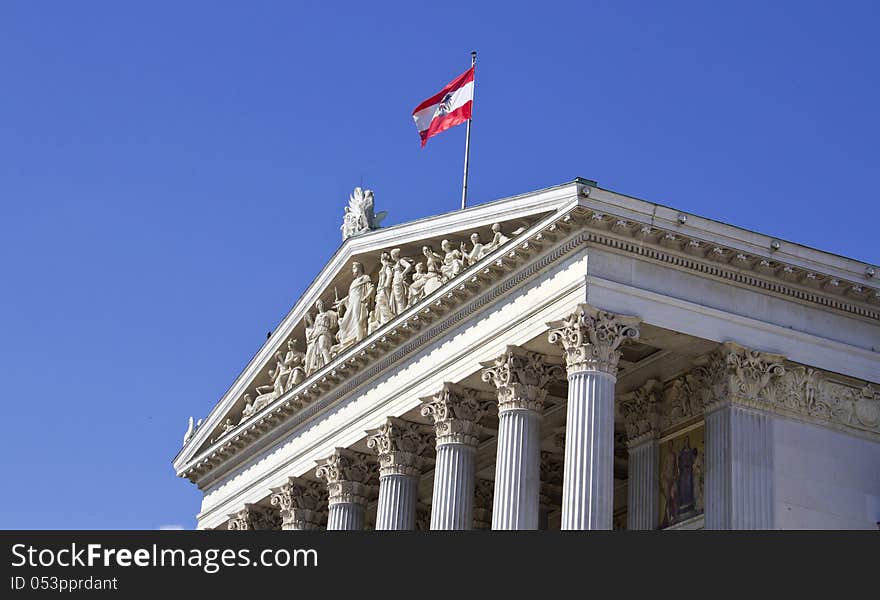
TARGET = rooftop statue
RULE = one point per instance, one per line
(359, 216)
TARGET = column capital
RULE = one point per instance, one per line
(456, 412)
(521, 378)
(299, 503)
(400, 446)
(640, 414)
(349, 476)
(590, 338)
(734, 374)
(254, 517)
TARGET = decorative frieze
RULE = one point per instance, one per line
(521, 378)
(254, 517)
(813, 394)
(300, 503)
(682, 401)
(590, 338)
(401, 446)
(456, 412)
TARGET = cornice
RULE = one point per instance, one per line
(745, 268)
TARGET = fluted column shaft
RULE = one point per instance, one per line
(588, 479)
(453, 501)
(456, 413)
(517, 470)
(521, 379)
(347, 504)
(349, 476)
(642, 486)
(397, 501)
(400, 445)
(345, 516)
(591, 338)
(739, 469)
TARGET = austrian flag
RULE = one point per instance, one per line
(447, 108)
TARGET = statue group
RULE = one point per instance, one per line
(400, 283)
(371, 302)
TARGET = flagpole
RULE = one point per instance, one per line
(467, 144)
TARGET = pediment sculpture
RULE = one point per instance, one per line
(372, 301)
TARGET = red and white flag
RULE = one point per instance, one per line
(447, 108)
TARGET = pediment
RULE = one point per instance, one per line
(294, 350)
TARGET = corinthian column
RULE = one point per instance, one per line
(348, 475)
(590, 338)
(400, 445)
(299, 502)
(739, 437)
(254, 517)
(639, 411)
(521, 378)
(456, 413)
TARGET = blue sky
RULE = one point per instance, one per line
(173, 175)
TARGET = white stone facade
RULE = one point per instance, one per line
(570, 358)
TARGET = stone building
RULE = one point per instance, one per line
(571, 358)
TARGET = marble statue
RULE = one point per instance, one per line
(433, 278)
(248, 408)
(499, 239)
(453, 261)
(294, 362)
(417, 288)
(478, 250)
(359, 216)
(399, 291)
(382, 312)
(190, 430)
(433, 260)
(268, 393)
(228, 426)
(354, 323)
(320, 332)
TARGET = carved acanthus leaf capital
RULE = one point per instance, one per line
(521, 378)
(400, 446)
(456, 412)
(738, 375)
(349, 476)
(639, 412)
(300, 503)
(590, 338)
(254, 517)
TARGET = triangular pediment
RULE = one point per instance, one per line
(494, 224)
